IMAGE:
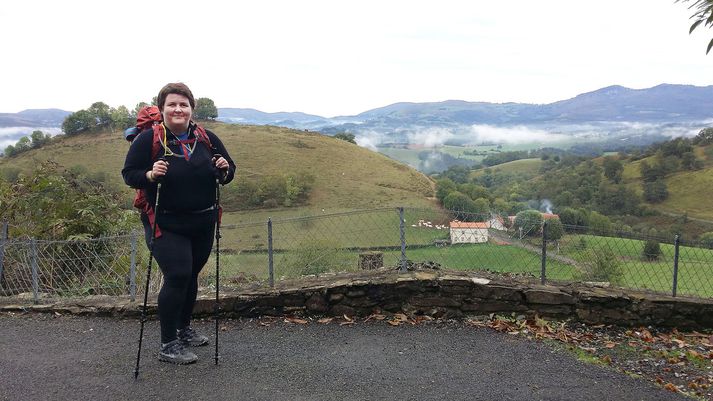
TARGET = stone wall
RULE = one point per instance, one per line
(459, 294)
(435, 293)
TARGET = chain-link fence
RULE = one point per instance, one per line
(261, 253)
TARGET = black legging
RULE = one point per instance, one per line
(181, 252)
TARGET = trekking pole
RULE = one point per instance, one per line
(217, 254)
(148, 276)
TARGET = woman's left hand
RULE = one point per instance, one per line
(221, 163)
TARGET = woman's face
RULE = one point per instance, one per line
(177, 113)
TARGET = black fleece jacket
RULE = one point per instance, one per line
(189, 185)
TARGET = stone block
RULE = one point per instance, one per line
(548, 296)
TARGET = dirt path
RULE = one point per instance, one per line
(49, 357)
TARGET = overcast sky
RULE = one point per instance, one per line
(341, 57)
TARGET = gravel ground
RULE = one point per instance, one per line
(52, 357)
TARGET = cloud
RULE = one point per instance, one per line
(512, 135)
(369, 140)
(431, 137)
(10, 135)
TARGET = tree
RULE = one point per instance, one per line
(205, 109)
(655, 191)
(444, 187)
(599, 223)
(704, 137)
(462, 207)
(474, 191)
(9, 151)
(555, 229)
(101, 112)
(346, 137)
(77, 122)
(613, 169)
(703, 15)
(652, 250)
(572, 217)
(39, 138)
(528, 222)
(121, 118)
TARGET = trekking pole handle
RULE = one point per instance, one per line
(219, 173)
(160, 178)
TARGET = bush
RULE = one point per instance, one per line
(529, 222)
(707, 239)
(652, 250)
(555, 229)
(603, 265)
(315, 258)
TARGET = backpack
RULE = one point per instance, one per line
(150, 117)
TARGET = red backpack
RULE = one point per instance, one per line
(150, 117)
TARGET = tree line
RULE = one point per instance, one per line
(101, 116)
(586, 191)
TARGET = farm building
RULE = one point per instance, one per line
(496, 222)
(469, 233)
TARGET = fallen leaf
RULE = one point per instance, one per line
(607, 359)
(395, 322)
(325, 320)
(671, 387)
(295, 320)
(610, 344)
(375, 316)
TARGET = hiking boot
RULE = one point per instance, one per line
(189, 337)
(176, 352)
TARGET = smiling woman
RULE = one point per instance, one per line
(179, 228)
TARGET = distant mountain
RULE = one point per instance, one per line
(612, 108)
(614, 111)
(34, 118)
(257, 117)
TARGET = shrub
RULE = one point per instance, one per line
(652, 250)
(315, 258)
(555, 229)
(707, 239)
(603, 265)
(529, 222)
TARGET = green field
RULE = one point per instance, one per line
(313, 245)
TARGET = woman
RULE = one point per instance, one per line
(185, 215)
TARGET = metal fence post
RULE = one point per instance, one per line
(270, 267)
(402, 231)
(3, 239)
(676, 242)
(35, 275)
(132, 269)
(544, 252)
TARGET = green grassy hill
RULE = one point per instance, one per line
(690, 192)
(530, 166)
(346, 176)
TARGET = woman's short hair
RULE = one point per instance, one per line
(177, 88)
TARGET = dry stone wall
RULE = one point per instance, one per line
(438, 294)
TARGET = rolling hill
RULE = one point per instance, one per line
(346, 176)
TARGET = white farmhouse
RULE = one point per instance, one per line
(469, 233)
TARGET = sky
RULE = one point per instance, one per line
(345, 57)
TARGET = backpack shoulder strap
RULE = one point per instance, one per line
(202, 136)
(157, 144)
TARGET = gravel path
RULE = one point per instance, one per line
(49, 357)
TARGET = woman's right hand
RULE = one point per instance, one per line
(157, 171)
